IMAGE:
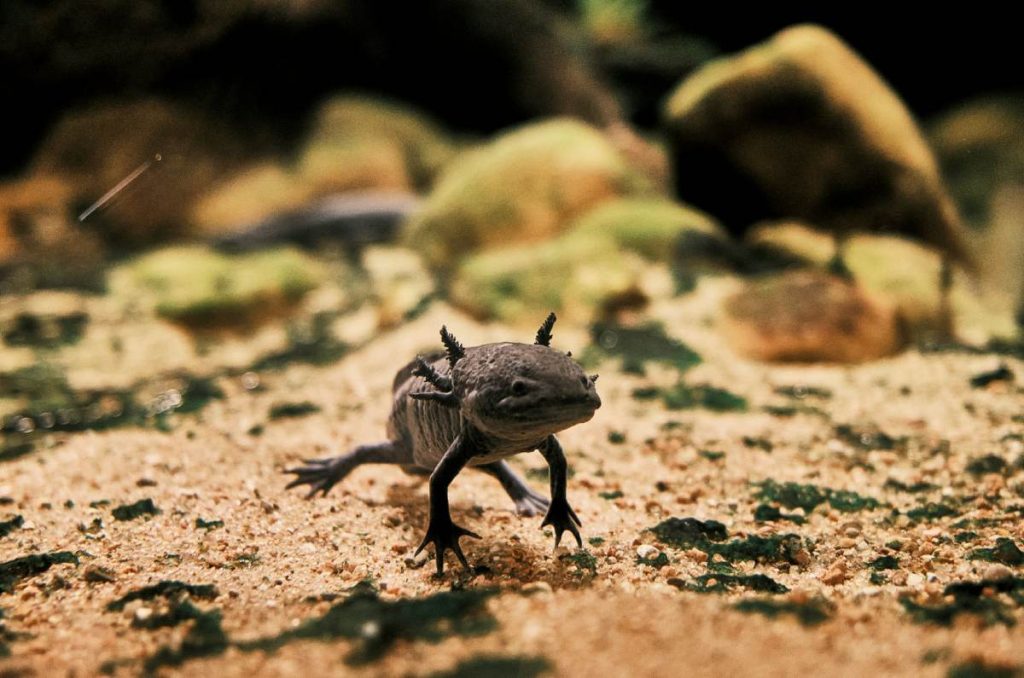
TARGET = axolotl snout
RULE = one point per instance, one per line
(474, 407)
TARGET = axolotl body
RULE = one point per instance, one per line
(474, 407)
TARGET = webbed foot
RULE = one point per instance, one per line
(561, 517)
(320, 474)
(444, 535)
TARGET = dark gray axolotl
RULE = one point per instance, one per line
(474, 407)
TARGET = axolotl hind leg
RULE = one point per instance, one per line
(323, 474)
(528, 501)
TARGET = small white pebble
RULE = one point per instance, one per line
(307, 548)
(143, 613)
(647, 552)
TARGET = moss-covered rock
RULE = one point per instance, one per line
(399, 282)
(800, 127)
(353, 164)
(835, 321)
(650, 227)
(980, 146)
(201, 288)
(248, 197)
(526, 186)
(793, 238)
(345, 122)
(579, 278)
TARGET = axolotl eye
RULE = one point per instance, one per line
(519, 387)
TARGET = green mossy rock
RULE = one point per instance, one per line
(198, 287)
(580, 279)
(345, 122)
(353, 164)
(527, 185)
(801, 127)
(248, 197)
(650, 227)
(980, 146)
(795, 238)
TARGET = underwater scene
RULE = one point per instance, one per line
(485, 338)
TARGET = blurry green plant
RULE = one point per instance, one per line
(611, 21)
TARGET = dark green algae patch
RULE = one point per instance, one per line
(167, 588)
(363, 617)
(636, 346)
(808, 497)
(8, 526)
(683, 396)
(809, 613)
(1005, 551)
(497, 666)
(710, 537)
(13, 571)
(721, 582)
(143, 507)
(991, 600)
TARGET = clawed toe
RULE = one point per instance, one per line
(532, 505)
(320, 475)
(444, 536)
(561, 517)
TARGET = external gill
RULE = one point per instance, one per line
(444, 394)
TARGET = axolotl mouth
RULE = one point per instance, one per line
(556, 412)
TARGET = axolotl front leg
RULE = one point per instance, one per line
(560, 515)
(442, 532)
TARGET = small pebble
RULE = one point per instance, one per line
(143, 613)
(996, 572)
(647, 552)
(835, 574)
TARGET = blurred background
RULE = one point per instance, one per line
(200, 186)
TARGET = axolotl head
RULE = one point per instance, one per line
(523, 391)
(512, 391)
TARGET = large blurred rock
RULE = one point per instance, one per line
(95, 149)
(526, 186)
(203, 289)
(41, 242)
(651, 227)
(980, 147)
(580, 279)
(346, 121)
(809, 316)
(356, 145)
(612, 258)
(801, 127)
(247, 197)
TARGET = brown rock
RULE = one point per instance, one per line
(38, 229)
(96, 149)
(801, 127)
(836, 574)
(833, 321)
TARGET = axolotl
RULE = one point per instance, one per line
(475, 407)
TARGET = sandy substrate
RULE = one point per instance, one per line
(276, 552)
